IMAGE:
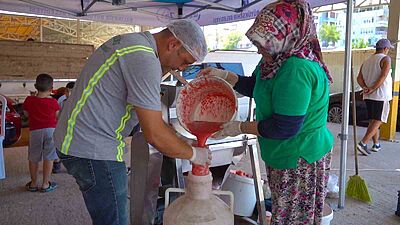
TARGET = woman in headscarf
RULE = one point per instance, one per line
(291, 89)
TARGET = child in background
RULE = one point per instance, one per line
(42, 112)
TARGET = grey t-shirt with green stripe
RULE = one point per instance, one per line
(123, 73)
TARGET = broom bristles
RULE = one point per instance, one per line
(357, 189)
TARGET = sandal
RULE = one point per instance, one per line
(52, 186)
(29, 188)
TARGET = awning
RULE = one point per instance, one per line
(145, 12)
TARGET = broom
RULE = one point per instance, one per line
(356, 186)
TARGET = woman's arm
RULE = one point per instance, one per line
(277, 127)
(245, 85)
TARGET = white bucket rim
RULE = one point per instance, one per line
(199, 79)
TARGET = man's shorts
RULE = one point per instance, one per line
(378, 110)
(41, 145)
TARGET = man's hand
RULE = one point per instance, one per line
(201, 156)
(367, 90)
(229, 129)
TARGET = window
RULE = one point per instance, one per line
(380, 28)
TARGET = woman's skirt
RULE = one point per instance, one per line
(298, 194)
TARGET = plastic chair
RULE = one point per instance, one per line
(2, 135)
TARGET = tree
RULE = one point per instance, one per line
(232, 40)
(329, 33)
(359, 43)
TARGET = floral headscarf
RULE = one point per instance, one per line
(284, 29)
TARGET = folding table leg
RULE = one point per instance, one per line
(139, 163)
(255, 166)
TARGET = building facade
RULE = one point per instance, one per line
(369, 24)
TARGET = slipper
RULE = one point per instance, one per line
(52, 186)
(29, 188)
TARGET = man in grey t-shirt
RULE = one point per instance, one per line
(118, 88)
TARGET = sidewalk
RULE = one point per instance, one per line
(381, 171)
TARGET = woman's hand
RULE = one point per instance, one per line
(210, 71)
(229, 129)
(229, 77)
(235, 128)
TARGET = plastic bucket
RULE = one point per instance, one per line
(202, 106)
(327, 215)
(244, 192)
(209, 99)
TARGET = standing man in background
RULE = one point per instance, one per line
(61, 97)
(118, 88)
(377, 85)
(64, 97)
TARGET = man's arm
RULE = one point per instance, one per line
(360, 79)
(361, 82)
(161, 136)
(385, 65)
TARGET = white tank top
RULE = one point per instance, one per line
(371, 71)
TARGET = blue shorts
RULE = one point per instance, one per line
(41, 145)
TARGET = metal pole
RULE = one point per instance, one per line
(345, 106)
(255, 167)
(41, 29)
(78, 31)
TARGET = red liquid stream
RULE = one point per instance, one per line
(202, 130)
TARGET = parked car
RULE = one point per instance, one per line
(13, 124)
(335, 113)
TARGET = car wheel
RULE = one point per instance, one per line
(335, 113)
(11, 135)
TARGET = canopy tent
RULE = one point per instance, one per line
(205, 12)
(144, 12)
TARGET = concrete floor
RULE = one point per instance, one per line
(381, 172)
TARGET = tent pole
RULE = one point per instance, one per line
(41, 29)
(345, 106)
(78, 31)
